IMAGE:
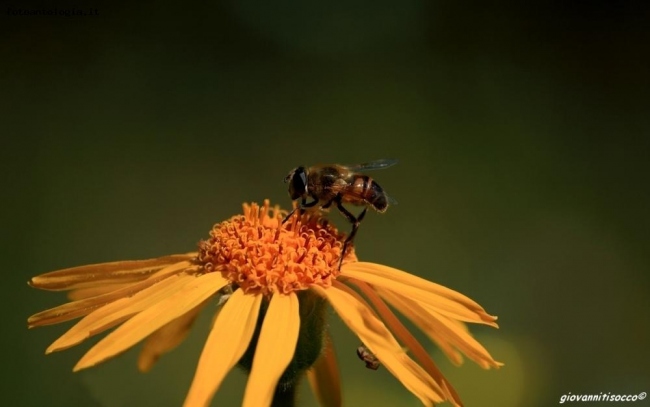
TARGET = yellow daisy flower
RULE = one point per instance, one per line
(272, 283)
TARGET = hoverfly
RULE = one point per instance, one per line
(335, 184)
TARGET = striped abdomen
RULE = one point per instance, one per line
(368, 191)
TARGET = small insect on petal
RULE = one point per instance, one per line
(368, 357)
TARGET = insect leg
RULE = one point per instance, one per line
(328, 204)
(286, 218)
(303, 204)
(355, 225)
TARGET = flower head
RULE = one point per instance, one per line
(258, 255)
(272, 283)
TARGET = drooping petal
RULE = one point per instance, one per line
(446, 301)
(324, 377)
(167, 338)
(151, 319)
(408, 340)
(228, 340)
(410, 279)
(118, 311)
(444, 331)
(275, 349)
(83, 307)
(452, 353)
(374, 334)
(111, 273)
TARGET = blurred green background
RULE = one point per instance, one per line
(522, 133)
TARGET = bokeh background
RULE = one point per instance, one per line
(521, 128)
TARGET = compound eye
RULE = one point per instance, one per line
(299, 181)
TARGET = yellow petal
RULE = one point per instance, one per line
(444, 331)
(149, 320)
(118, 311)
(228, 340)
(374, 334)
(406, 338)
(420, 321)
(415, 281)
(324, 377)
(167, 338)
(275, 349)
(446, 301)
(97, 274)
(83, 307)
(88, 292)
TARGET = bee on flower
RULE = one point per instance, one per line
(273, 282)
(335, 184)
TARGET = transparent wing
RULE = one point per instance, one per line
(372, 165)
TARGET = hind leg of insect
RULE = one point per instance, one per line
(303, 205)
(355, 225)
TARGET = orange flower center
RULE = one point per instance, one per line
(260, 255)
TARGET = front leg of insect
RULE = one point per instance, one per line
(301, 208)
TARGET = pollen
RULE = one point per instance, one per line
(259, 254)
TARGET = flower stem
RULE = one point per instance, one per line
(308, 348)
(285, 395)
